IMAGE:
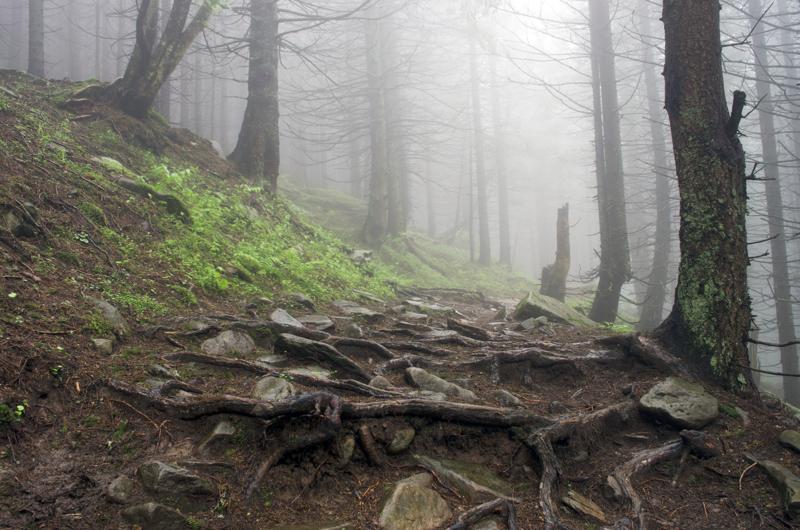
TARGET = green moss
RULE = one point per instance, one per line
(185, 295)
(94, 213)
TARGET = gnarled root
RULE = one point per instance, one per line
(501, 507)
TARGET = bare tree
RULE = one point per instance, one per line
(36, 64)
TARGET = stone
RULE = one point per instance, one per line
(401, 440)
(281, 316)
(380, 382)
(468, 329)
(302, 300)
(105, 346)
(413, 505)
(427, 394)
(229, 343)
(427, 381)
(155, 516)
(790, 439)
(507, 399)
(317, 322)
(584, 505)
(501, 314)
(112, 317)
(345, 448)
(487, 524)
(272, 388)
(354, 310)
(272, 359)
(121, 490)
(431, 309)
(472, 481)
(787, 484)
(187, 491)
(535, 305)
(223, 432)
(353, 331)
(412, 315)
(160, 371)
(313, 371)
(360, 256)
(315, 526)
(531, 324)
(681, 403)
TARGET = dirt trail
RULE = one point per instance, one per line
(519, 429)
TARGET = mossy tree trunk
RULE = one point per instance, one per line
(257, 153)
(554, 276)
(615, 267)
(710, 318)
(154, 59)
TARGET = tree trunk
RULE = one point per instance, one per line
(500, 162)
(775, 213)
(484, 243)
(376, 226)
(653, 307)
(36, 38)
(74, 45)
(430, 196)
(554, 276)
(615, 265)
(153, 59)
(354, 160)
(710, 318)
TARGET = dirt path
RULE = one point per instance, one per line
(513, 429)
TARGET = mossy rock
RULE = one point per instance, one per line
(536, 305)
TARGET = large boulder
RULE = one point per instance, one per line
(229, 342)
(112, 317)
(413, 505)
(680, 403)
(185, 490)
(536, 305)
(427, 381)
(155, 516)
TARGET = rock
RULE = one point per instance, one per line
(531, 324)
(413, 505)
(157, 370)
(112, 317)
(401, 440)
(427, 394)
(472, 481)
(345, 448)
(272, 389)
(319, 352)
(186, 490)
(105, 346)
(121, 490)
(427, 381)
(222, 432)
(584, 505)
(790, 439)
(787, 484)
(681, 403)
(318, 322)
(501, 314)
(556, 407)
(487, 524)
(700, 444)
(155, 516)
(313, 371)
(380, 382)
(431, 309)
(369, 296)
(507, 399)
(535, 305)
(281, 316)
(315, 526)
(411, 315)
(353, 331)
(229, 343)
(303, 301)
(354, 310)
(468, 329)
(272, 359)
(360, 256)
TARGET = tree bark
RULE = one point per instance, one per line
(154, 59)
(554, 276)
(615, 265)
(484, 243)
(36, 38)
(710, 318)
(653, 306)
(500, 161)
(257, 154)
(775, 212)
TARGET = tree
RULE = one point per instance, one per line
(615, 265)
(257, 153)
(154, 58)
(710, 318)
(484, 243)
(500, 160)
(775, 214)
(36, 38)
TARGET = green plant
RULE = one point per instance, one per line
(12, 414)
(97, 324)
(185, 295)
(94, 213)
(57, 371)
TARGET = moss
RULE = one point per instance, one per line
(94, 213)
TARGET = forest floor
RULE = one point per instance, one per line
(306, 436)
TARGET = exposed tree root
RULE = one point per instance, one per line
(550, 479)
(359, 345)
(418, 347)
(369, 445)
(303, 348)
(647, 351)
(314, 403)
(268, 331)
(619, 481)
(501, 507)
(349, 385)
(401, 363)
(469, 330)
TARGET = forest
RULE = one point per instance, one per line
(399, 264)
